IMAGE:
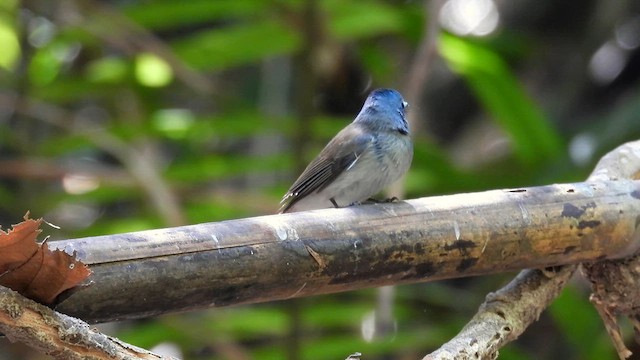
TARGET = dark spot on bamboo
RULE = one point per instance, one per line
(518, 190)
(229, 295)
(342, 268)
(571, 191)
(588, 224)
(425, 269)
(462, 245)
(635, 194)
(466, 263)
(568, 250)
(501, 314)
(570, 210)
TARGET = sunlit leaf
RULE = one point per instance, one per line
(10, 45)
(152, 71)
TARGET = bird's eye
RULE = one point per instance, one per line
(405, 104)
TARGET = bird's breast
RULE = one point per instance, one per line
(384, 161)
(394, 153)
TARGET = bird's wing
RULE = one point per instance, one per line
(340, 155)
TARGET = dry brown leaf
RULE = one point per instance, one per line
(18, 244)
(34, 270)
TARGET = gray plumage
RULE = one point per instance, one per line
(362, 159)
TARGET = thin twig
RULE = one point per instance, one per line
(422, 63)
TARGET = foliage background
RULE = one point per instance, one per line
(126, 115)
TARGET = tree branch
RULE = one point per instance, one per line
(59, 335)
(505, 315)
(616, 284)
(508, 312)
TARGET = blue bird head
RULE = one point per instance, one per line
(384, 110)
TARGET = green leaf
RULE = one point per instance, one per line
(498, 90)
(11, 51)
(7, 199)
(74, 88)
(167, 14)
(135, 222)
(207, 210)
(248, 322)
(109, 69)
(354, 20)
(237, 45)
(45, 66)
(237, 123)
(377, 61)
(63, 144)
(210, 167)
(151, 333)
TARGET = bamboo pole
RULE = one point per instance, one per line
(284, 256)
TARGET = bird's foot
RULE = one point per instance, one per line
(376, 201)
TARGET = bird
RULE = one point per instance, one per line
(366, 156)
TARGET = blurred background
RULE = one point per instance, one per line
(125, 115)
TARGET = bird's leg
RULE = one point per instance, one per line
(333, 201)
